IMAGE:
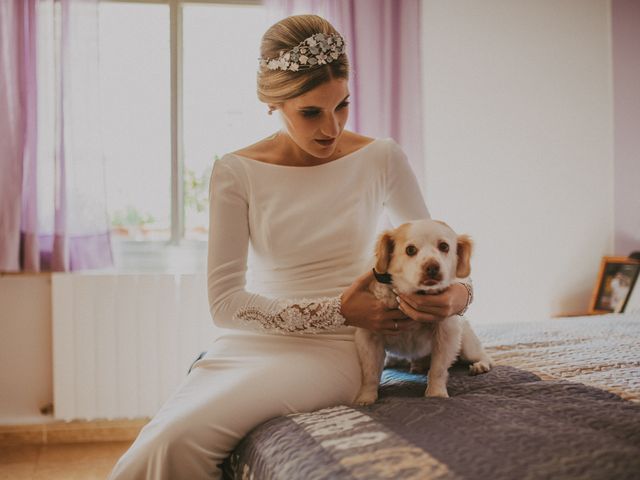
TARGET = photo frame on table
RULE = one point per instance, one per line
(616, 281)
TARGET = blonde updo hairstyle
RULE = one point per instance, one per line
(276, 86)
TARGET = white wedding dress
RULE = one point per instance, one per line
(284, 243)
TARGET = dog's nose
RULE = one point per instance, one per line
(433, 269)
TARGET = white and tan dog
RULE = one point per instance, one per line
(422, 257)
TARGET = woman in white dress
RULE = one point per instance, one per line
(299, 211)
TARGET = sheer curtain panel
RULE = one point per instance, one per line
(52, 195)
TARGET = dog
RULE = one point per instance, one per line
(423, 257)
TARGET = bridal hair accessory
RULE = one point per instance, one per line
(318, 49)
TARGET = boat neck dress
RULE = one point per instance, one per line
(284, 243)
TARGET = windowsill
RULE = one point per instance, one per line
(24, 274)
(131, 256)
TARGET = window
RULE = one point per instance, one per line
(136, 107)
(177, 92)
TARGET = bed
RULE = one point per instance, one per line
(562, 402)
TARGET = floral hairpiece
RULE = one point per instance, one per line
(318, 49)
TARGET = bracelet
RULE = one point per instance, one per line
(469, 298)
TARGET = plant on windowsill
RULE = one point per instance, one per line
(196, 196)
(130, 223)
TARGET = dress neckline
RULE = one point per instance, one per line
(337, 160)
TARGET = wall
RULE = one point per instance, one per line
(518, 135)
(26, 382)
(625, 20)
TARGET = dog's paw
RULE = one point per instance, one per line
(479, 367)
(436, 392)
(366, 398)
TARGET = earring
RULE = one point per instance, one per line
(271, 109)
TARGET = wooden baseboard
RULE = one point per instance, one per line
(575, 314)
(71, 432)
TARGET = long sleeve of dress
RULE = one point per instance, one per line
(231, 306)
(403, 201)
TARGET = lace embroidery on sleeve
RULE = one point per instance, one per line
(296, 316)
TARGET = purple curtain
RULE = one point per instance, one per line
(52, 194)
(383, 42)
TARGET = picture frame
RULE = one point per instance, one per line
(616, 282)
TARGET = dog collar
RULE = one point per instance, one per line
(382, 277)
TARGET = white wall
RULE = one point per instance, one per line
(26, 382)
(518, 135)
(625, 24)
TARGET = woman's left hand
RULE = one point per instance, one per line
(434, 308)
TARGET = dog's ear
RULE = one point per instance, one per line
(384, 250)
(464, 247)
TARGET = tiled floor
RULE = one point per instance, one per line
(79, 461)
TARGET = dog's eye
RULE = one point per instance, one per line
(443, 247)
(411, 250)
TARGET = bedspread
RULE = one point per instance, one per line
(600, 350)
(561, 403)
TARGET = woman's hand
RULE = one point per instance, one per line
(362, 309)
(434, 308)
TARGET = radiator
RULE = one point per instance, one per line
(122, 343)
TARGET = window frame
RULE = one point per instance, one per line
(177, 239)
